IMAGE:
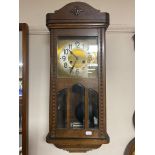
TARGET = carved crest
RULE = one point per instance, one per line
(76, 11)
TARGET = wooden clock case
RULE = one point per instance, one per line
(77, 19)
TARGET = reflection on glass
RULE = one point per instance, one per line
(20, 144)
(77, 106)
(20, 118)
(20, 63)
(61, 109)
(93, 108)
(20, 54)
(20, 87)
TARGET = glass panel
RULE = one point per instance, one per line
(93, 108)
(20, 117)
(20, 63)
(61, 109)
(20, 54)
(77, 57)
(20, 144)
(77, 106)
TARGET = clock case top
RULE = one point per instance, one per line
(76, 19)
(76, 15)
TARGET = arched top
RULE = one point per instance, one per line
(77, 12)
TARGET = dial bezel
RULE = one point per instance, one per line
(77, 56)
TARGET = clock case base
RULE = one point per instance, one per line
(77, 144)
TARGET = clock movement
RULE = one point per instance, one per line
(77, 108)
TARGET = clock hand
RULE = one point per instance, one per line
(73, 66)
(74, 55)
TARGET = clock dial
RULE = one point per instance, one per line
(77, 57)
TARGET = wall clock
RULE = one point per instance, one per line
(77, 108)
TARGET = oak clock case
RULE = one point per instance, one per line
(77, 108)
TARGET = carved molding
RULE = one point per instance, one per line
(76, 11)
(53, 92)
(78, 7)
(101, 88)
(111, 29)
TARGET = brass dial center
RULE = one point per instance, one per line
(77, 57)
